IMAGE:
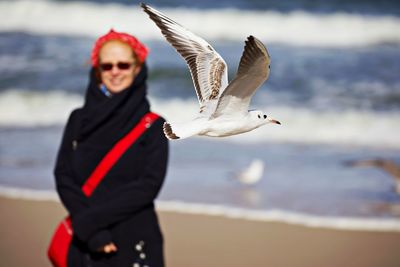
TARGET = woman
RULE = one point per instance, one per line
(117, 225)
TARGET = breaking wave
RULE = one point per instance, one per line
(293, 28)
(19, 108)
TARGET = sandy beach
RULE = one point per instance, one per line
(199, 240)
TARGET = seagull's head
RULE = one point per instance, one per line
(260, 118)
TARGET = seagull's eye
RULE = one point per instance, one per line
(259, 116)
(265, 116)
(269, 66)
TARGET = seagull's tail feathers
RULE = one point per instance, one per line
(169, 132)
(180, 131)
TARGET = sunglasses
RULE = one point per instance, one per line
(120, 65)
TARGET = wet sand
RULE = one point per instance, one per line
(199, 240)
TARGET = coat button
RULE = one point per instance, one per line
(139, 246)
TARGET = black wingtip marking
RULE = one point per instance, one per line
(144, 6)
(168, 131)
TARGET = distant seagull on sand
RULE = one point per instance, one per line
(223, 107)
(388, 166)
(252, 174)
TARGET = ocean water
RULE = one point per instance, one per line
(334, 85)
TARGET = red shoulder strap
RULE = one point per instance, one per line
(116, 152)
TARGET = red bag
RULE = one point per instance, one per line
(62, 237)
(60, 242)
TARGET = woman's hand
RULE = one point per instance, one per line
(109, 248)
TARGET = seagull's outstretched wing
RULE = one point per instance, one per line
(253, 70)
(209, 70)
(387, 165)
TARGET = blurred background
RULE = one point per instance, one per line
(334, 86)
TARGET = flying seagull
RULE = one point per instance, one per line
(223, 106)
(388, 166)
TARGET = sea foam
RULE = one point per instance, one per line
(294, 28)
(276, 215)
(19, 108)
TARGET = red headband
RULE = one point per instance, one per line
(138, 48)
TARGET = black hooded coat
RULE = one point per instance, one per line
(121, 208)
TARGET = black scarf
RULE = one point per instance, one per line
(105, 120)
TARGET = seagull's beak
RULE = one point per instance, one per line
(274, 121)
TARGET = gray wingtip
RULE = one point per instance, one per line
(169, 133)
